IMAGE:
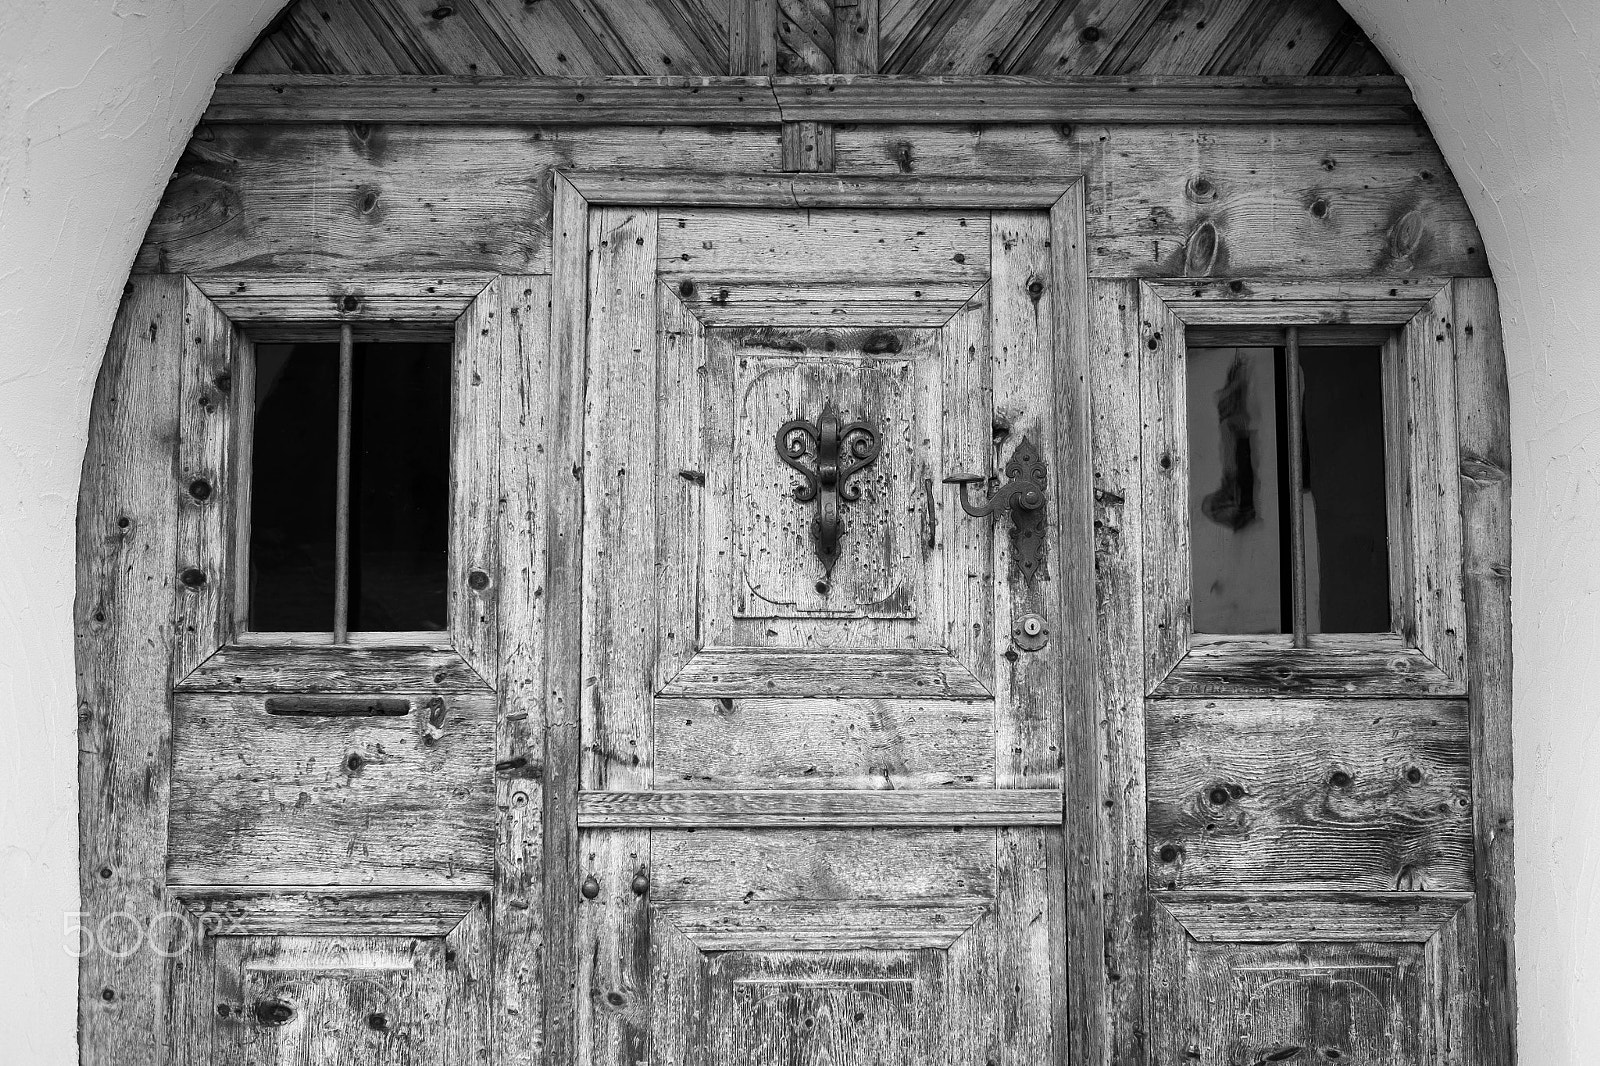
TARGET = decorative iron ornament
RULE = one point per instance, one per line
(835, 452)
(1023, 496)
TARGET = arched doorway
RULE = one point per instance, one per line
(507, 844)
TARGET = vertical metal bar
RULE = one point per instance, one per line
(341, 523)
(1294, 406)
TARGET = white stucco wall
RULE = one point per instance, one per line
(98, 96)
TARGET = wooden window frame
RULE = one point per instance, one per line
(220, 652)
(1425, 652)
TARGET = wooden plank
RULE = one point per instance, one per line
(806, 146)
(560, 515)
(1119, 870)
(1301, 917)
(753, 37)
(967, 430)
(421, 200)
(249, 910)
(855, 36)
(811, 743)
(206, 510)
(1203, 101)
(1024, 287)
(619, 499)
(759, 100)
(341, 492)
(682, 189)
(766, 865)
(1272, 336)
(810, 925)
(475, 447)
(1168, 620)
(325, 668)
(417, 99)
(1257, 793)
(805, 37)
(1291, 201)
(368, 298)
(615, 1017)
(398, 199)
(1431, 453)
(1335, 664)
(127, 540)
(266, 799)
(1484, 433)
(518, 913)
(1080, 980)
(1239, 302)
(680, 485)
(782, 245)
(821, 807)
(720, 301)
(731, 673)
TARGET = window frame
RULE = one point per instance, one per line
(215, 447)
(1425, 652)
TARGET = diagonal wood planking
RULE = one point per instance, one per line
(710, 37)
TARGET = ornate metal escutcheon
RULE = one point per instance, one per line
(835, 451)
(1023, 496)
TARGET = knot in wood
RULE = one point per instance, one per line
(192, 578)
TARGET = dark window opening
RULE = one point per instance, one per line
(389, 574)
(1254, 571)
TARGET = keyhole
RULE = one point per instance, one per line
(823, 588)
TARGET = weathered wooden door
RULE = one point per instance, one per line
(821, 783)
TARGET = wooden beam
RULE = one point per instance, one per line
(893, 99)
(679, 188)
(857, 98)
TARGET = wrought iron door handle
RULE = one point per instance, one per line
(1022, 495)
(835, 451)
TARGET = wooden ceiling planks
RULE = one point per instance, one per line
(1039, 38)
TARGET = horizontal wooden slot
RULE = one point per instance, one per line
(337, 707)
(801, 807)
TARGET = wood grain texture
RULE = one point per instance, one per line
(559, 101)
(1170, 200)
(615, 992)
(245, 910)
(352, 669)
(807, 925)
(207, 510)
(560, 514)
(876, 744)
(127, 541)
(1120, 872)
(766, 865)
(806, 146)
(1254, 793)
(475, 447)
(396, 199)
(619, 498)
(365, 298)
(1094, 100)
(821, 807)
(265, 799)
(1335, 664)
(1168, 610)
(1301, 917)
(732, 673)
(521, 869)
(1484, 435)
(684, 189)
(1280, 37)
(1295, 302)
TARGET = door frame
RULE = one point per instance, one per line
(561, 546)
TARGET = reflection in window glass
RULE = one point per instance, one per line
(1235, 526)
(399, 487)
(1240, 490)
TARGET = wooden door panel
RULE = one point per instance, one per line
(315, 789)
(834, 744)
(820, 807)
